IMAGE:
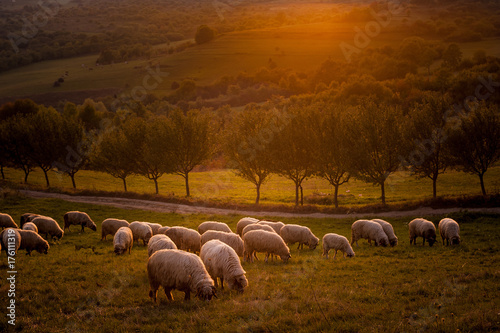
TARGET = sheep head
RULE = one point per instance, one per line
(205, 293)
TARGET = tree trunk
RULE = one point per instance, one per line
(124, 184)
(301, 196)
(257, 200)
(186, 179)
(481, 180)
(335, 196)
(46, 177)
(1, 170)
(26, 174)
(156, 184)
(382, 185)
(296, 194)
(434, 186)
(72, 175)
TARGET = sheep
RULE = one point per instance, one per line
(160, 242)
(185, 238)
(242, 223)
(11, 241)
(449, 230)
(231, 239)
(154, 227)
(163, 229)
(389, 231)
(27, 217)
(222, 262)
(265, 241)
(336, 242)
(78, 218)
(30, 241)
(123, 240)
(293, 233)
(30, 226)
(257, 226)
(48, 226)
(275, 225)
(6, 221)
(141, 230)
(111, 226)
(368, 230)
(177, 269)
(420, 227)
(213, 225)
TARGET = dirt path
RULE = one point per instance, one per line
(164, 207)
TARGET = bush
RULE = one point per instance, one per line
(204, 34)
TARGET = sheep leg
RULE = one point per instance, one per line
(168, 293)
(267, 256)
(424, 241)
(187, 295)
(82, 228)
(221, 283)
(325, 253)
(255, 255)
(335, 254)
(152, 294)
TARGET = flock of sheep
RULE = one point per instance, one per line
(171, 264)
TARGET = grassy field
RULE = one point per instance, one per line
(223, 186)
(401, 289)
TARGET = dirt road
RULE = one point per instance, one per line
(164, 207)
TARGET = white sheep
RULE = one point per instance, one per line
(389, 231)
(231, 239)
(177, 269)
(141, 230)
(275, 225)
(265, 241)
(30, 226)
(163, 229)
(294, 233)
(30, 241)
(123, 240)
(242, 223)
(48, 226)
(222, 262)
(6, 221)
(160, 242)
(257, 226)
(28, 217)
(370, 230)
(213, 225)
(78, 218)
(420, 227)
(11, 241)
(449, 230)
(336, 242)
(110, 227)
(185, 238)
(155, 227)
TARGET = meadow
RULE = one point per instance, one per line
(82, 286)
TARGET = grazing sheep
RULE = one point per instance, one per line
(242, 223)
(184, 271)
(222, 262)
(48, 226)
(449, 230)
(163, 229)
(30, 241)
(6, 221)
(11, 241)
(257, 226)
(336, 242)
(78, 218)
(141, 230)
(422, 228)
(186, 239)
(111, 226)
(123, 240)
(370, 230)
(265, 241)
(213, 225)
(154, 227)
(293, 233)
(30, 226)
(231, 239)
(275, 225)
(160, 242)
(389, 231)
(28, 217)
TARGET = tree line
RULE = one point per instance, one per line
(298, 138)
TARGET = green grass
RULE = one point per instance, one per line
(224, 187)
(406, 288)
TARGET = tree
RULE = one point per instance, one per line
(426, 131)
(192, 141)
(332, 153)
(474, 141)
(247, 145)
(452, 56)
(375, 136)
(204, 34)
